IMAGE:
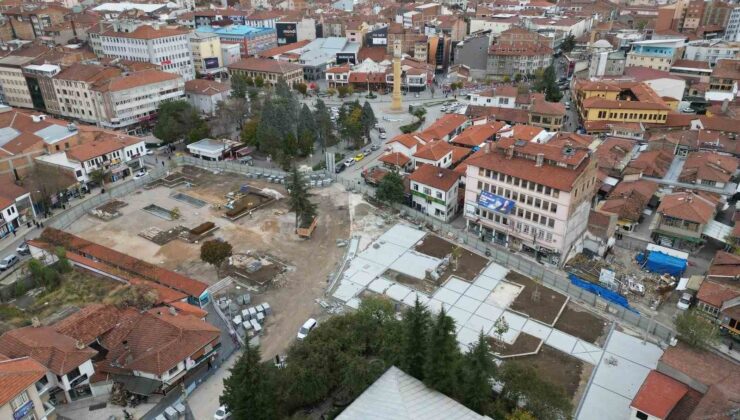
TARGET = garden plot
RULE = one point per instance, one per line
(256, 269)
(537, 301)
(467, 266)
(109, 210)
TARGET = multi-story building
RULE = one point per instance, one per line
(658, 54)
(205, 95)
(207, 56)
(711, 50)
(732, 30)
(166, 47)
(253, 40)
(13, 81)
(496, 24)
(269, 70)
(544, 114)
(681, 218)
(723, 82)
(434, 191)
(16, 207)
(131, 101)
(30, 24)
(503, 96)
(74, 90)
(39, 78)
(693, 16)
(25, 391)
(531, 197)
(518, 51)
(607, 63)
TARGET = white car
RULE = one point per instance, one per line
(685, 301)
(383, 136)
(222, 413)
(140, 174)
(309, 325)
(150, 152)
(349, 162)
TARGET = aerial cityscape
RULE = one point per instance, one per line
(383, 210)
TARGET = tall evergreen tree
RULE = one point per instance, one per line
(299, 199)
(307, 131)
(238, 86)
(546, 83)
(478, 371)
(368, 118)
(324, 125)
(416, 323)
(443, 356)
(250, 390)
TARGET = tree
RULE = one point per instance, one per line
(62, 265)
(520, 414)
(179, 120)
(175, 213)
(302, 88)
(331, 92)
(324, 125)
(695, 329)
(239, 86)
(307, 131)
(343, 91)
(250, 390)
(441, 371)
(390, 188)
(525, 389)
(98, 176)
(350, 122)
(478, 371)
(299, 200)
(259, 82)
(546, 83)
(367, 118)
(568, 43)
(416, 323)
(215, 252)
(249, 132)
(500, 327)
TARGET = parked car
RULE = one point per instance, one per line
(222, 413)
(685, 301)
(359, 157)
(340, 167)
(140, 174)
(309, 325)
(23, 249)
(8, 262)
(382, 135)
(349, 162)
(374, 147)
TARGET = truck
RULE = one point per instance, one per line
(372, 176)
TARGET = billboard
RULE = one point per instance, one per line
(495, 203)
(345, 58)
(287, 33)
(210, 63)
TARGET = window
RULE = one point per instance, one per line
(18, 401)
(640, 415)
(173, 370)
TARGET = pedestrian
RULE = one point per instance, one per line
(162, 163)
(42, 224)
(730, 346)
(14, 233)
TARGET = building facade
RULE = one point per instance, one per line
(207, 55)
(518, 51)
(434, 191)
(252, 40)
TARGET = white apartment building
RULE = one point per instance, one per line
(500, 96)
(128, 101)
(166, 47)
(533, 198)
(74, 90)
(434, 191)
(732, 32)
(711, 50)
(496, 24)
(13, 82)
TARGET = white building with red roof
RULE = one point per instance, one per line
(434, 191)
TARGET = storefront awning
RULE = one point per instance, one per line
(138, 385)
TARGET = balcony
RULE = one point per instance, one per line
(48, 408)
(43, 387)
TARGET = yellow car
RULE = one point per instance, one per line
(359, 157)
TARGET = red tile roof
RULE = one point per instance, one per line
(136, 79)
(443, 126)
(653, 163)
(434, 151)
(725, 264)
(658, 395)
(89, 323)
(476, 135)
(16, 375)
(716, 294)
(511, 115)
(205, 87)
(100, 147)
(264, 65)
(395, 158)
(125, 262)
(435, 177)
(687, 206)
(147, 32)
(188, 309)
(57, 352)
(708, 166)
(540, 106)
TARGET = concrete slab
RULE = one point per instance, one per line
(447, 296)
(478, 323)
(362, 278)
(415, 264)
(477, 293)
(536, 329)
(561, 341)
(591, 357)
(403, 235)
(466, 338)
(354, 303)
(621, 376)
(632, 348)
(510, 336)
(382, 253)
(504, 294)
(435, 306)
(360, 264)
(347, 290)
(486, 282)
(467, 303)
(495, 271)
(410, 299)
(398, 292)
(460, 316)
(456, 285)
(380, 285)
(515, 321)
(489, 312)
(600, 403)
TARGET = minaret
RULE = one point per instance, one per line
(396, 98)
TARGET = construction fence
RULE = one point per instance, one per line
(555, 279)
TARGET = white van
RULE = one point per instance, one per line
(306, 328)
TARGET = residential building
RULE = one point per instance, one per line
(496, 23)
(39, 78)
(698, 70)
(117, 154)
(30, 24)
(732, 30)
(607, 63)
(252, 40)
(681, 218)
(711, 50)
(24, 389)
(658, 54)
(13, 81)
(166, 47)
(471, 52)
(544, 114)
(599, 235)
(651, 163)
(434, 191)
(723, 82)
(323, 53)
(502, 96)
(290, 32)
(576, 26)
(669, 87)
(74, 90)
(16, 207)
(128, 102)
(614, 154)
(437, 153)
(68, 362)
(518, 51)
(477, 135)
(207, 55)
(628, 200)
(708, 168)
(445, 128)
(205, 95)
(531, 197)
(269, 70)
(725, 267)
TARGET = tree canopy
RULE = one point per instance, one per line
(695, 329)
(299, 199)
(179, 120)
(546, 83)
(215, 252)
(390, 188)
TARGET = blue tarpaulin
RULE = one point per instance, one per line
(661, 263)
(600, 291)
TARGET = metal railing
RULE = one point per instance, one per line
(553, 278)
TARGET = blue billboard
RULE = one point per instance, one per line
(495, 203)
(211, 62)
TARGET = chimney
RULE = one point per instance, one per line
(173, 312)
(540, 159)
(125, 345)
(510, 152)
(79, 345)
(725, 104)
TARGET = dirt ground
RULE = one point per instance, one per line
(582, 324)
(523, 344)
(269, 230)
(468, 266)
(562, 370)
(549, 305)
